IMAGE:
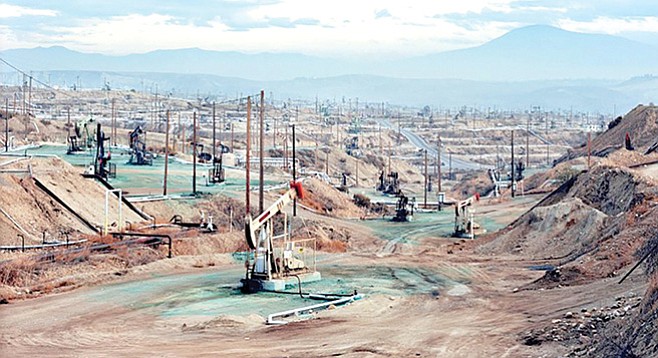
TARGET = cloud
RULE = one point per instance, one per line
(341, 28)
(8, 10)
(344, 28)
(612, 26)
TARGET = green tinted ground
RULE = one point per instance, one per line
(149, 179)
(423, 225)
(211, 294)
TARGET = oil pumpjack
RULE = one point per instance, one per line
(278, 260)
(465, 225)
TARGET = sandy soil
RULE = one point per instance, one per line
(477, 313)
(457, 305)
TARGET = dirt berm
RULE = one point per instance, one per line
(599, 217)
(640, 123)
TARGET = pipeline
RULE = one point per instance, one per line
(12, 161)
(65, 205)
(120, 235)
(146, 241)
(308, 309)
(43, 246)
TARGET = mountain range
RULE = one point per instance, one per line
(534, 65)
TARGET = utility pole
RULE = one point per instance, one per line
(261, 151)
(439, 155)
(222, 138)
(425, 187)
(214, 134)
(155, 111)
(247, 164)
(166, 164)
(527, 143)
(513, 176)
(194, 140)
(389, 157)
(326, 170)
(29, 97)
(285, 150)
(114, 123)
(6, 124)
(548, 164)
(232, 137)
(23, 95)
(183, 139)
(294, 167)
(340, 113)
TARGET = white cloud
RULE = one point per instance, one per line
(7, 10)
(409, 30)
(612, 26)
(134, 33)
(322, 27)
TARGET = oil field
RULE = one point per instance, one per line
(323, 216)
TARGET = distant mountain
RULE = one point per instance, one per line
(528, 53)
(536, 53)
(261, 66)
(602, 96)
(531, 66)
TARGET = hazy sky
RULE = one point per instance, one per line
(340, 28)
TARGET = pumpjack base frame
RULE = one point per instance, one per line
(253, 285)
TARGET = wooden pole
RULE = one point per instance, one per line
(194, 146)
(439, 155)
(214, 134)
(232, 137)
(294, 167)
(248, 155)
(425, 187)
(23, 96)
(114, 123)
(222, 127)
(513, 174)
(261, 174)
(166, 164)
(183, 140)
(527, 143)
(389, 157)
(285, 149)
(548, 146)
(29, 97)
(6, 124)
